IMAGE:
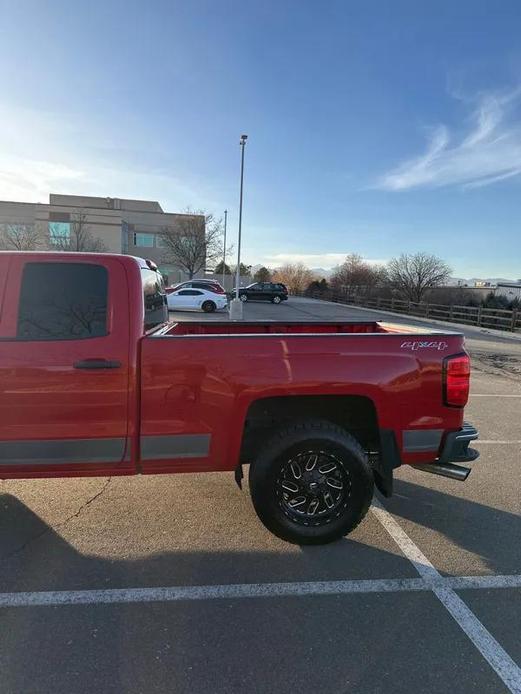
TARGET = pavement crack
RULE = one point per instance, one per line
(61, 524)
(87, 503)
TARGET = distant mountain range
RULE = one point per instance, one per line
(454, 281)
(471, 282)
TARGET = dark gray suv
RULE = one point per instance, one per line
(264, 291)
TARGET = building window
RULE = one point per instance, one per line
(59, 233)
(144, 240)
(63, 301)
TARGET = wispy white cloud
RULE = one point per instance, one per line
(31, 180)
(323, 260)
(46, 153)
(490, 151)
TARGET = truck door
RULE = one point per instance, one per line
(267, 291)
(64, 368)
(255, 292)
(196, 299)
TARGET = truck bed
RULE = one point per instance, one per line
(294, 328)
(201, 381)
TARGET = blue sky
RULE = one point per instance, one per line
(374, 127)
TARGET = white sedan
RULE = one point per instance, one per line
(196, 300)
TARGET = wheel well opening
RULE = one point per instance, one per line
(356, 414)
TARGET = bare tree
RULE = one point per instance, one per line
(79, 319)
(19, 237)
(413, 274)
(194, 242)
(296, 277)
(356, 276)
(263, 274)
(80, 239)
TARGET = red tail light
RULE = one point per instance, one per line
(456, 380)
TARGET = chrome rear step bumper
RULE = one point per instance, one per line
(455, 450)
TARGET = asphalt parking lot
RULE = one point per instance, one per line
(171, 584)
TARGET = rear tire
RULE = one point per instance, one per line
(276, 300)
(311, 484)
(208, 306)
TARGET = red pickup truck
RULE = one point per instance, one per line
(94, 380)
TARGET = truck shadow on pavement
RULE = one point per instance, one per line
(489, 533)
(34, 557)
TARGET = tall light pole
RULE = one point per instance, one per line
(236, 304)
(238, 276)
(224, 251)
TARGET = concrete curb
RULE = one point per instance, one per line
(446, 324)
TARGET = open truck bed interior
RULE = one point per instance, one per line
(292, 328)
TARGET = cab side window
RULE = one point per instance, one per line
(156, 309)
(63, 301)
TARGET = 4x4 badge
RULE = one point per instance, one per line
(416, 345)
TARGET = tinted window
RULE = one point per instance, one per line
(63, 301)
(156, 309)
(203, 285)
(189, 292)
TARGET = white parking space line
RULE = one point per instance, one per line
(494, 395)
(227, 592)
(485, 582)
(486, 644)
(251, 590)
(492, 442)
